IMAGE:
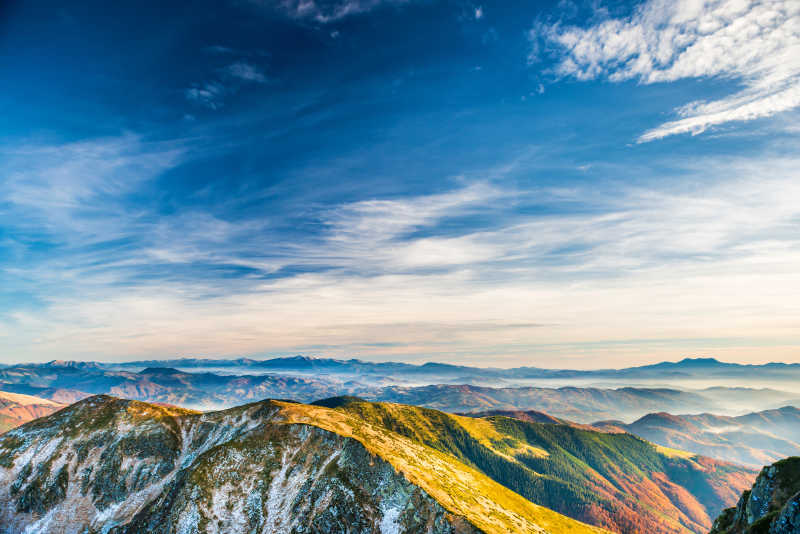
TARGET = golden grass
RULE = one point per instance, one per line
(674, 453)
(460, 489)
(484, 431)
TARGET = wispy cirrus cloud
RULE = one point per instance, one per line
(207, 94)
(246, 71)
(226, 82)
(755, 44)
(325, 11)
(408, 275)
(61, 186)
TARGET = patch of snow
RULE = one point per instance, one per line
(389, 524)
(42, 525)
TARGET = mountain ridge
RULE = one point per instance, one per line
(302, 362)
(203, 389)
(183, 463)
(753, 439)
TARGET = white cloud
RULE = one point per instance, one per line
(324, 11)
(713, 256)
(66, 187)
(227, 82)
(755, 44)
(208, 94)
(246, 71)
(478, 12)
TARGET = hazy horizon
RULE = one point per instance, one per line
(413, 361)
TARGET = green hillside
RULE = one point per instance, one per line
(617, 481)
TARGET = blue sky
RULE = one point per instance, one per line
(563, 184)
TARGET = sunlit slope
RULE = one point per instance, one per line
(16, 409)
(755, 439)
(461, 489)
(617, 481)
(117, 466)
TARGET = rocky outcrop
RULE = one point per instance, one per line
(772, 506)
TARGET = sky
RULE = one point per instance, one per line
(572, 184)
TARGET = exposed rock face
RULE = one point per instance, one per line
(772, 506)
(106, 465)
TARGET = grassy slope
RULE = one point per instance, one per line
(461, 489)
(615, 480)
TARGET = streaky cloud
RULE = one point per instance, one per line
(755, 44)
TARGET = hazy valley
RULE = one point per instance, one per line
(543, 459)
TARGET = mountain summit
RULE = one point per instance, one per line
(117, 466)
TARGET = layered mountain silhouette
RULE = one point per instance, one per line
(754, 439)
(205, 389)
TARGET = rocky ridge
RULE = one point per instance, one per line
(772, 506)
(112, 466)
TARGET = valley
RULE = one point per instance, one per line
(458, 458)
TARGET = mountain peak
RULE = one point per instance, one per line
(700, 362)
(72, 364)
(340, 453)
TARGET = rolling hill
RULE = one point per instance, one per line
(753, 439)
(578, 404)
(16, 409)
(71, 381)
(160, 384)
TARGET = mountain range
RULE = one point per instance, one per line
(433, 372)
(118, 466)
(753, 439)
(67, 382)
(106, 464)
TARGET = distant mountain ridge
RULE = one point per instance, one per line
(753, 439)
(205, 390)
(684, 367)
(17, 409)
